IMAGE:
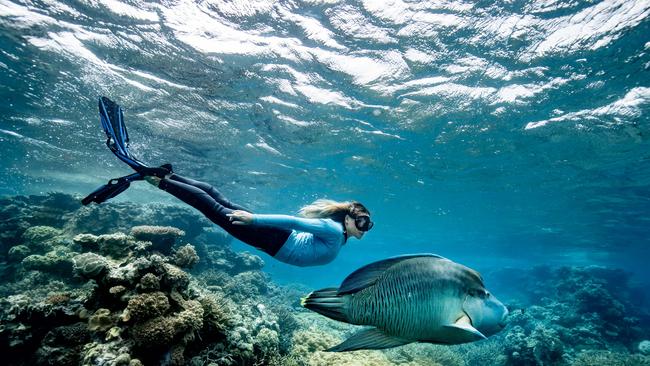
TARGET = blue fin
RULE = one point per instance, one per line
(371, 338)
(112, 119)
(368, 274)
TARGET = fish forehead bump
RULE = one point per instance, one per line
(444, 267)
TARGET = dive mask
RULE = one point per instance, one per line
(363, 222)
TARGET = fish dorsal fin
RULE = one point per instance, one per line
(466, 331)
(371, 338)
(368, 274)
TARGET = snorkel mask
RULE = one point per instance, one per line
(362, 222)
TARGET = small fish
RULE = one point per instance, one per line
(411, 298)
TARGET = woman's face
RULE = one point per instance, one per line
(351, 228)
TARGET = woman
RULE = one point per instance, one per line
(313, 239)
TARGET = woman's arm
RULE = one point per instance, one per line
(314, 226)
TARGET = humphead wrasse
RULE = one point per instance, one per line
(411, 298)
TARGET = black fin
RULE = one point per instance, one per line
(110, 189)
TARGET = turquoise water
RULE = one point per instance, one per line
(497, 135)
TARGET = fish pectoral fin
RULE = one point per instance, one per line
(464, 326)
(371, 338)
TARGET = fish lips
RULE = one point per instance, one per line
(504, 319)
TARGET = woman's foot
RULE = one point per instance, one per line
(154, 181)
(160, 172)
(154, 175)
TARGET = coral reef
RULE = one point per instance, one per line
(609, 358)
(162, 237)
(126, 295)
(108, 285)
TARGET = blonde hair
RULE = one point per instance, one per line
(335, 210)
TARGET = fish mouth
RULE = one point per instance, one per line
(504, 319)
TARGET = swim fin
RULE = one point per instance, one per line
(112, 119)
(117, 139)
(111, 189)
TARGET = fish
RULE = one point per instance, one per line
(411, 298)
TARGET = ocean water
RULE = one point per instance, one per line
(500, 135)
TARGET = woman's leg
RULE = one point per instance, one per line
(270, 240)
(210, 190)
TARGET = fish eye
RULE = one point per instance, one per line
(481, 294)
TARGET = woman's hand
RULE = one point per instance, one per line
(239, 217)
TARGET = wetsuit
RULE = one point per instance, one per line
(293, 240)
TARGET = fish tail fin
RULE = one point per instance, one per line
(327, 302)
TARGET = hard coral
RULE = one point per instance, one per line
(149, 282)
(186, 257)
(54, 262)
(38, 237)
(101, 320)
(162, 237)
(246, 261)
(644, 347)
(87, 242)
(145, 306)
(174, 277)
(155, 333)
(608, 358)
(114, 245)
(18, 253)
(90, 265)
(63, 345)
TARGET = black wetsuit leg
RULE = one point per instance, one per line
(267, 239)
(210, 190)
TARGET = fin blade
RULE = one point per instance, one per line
(113, 188)
(112, 120)
(367, 275)
(371, 338)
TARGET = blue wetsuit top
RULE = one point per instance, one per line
(312, 241)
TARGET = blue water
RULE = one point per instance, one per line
(496, 135)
